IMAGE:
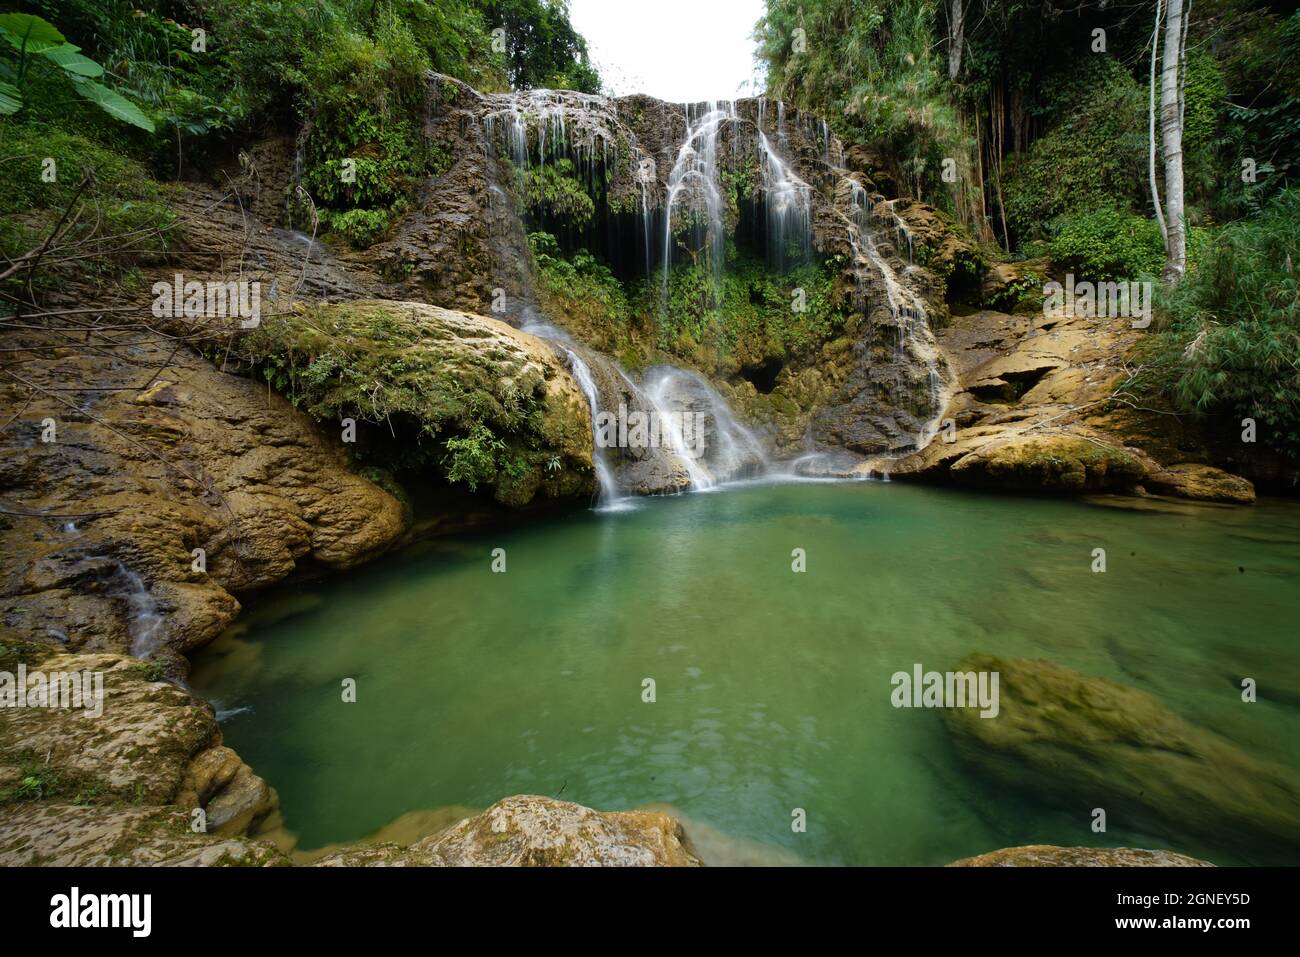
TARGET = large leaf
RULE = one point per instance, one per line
(114, 104)
(11, 100)
(28, 31)
(69, 57)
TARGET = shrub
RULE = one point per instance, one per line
(1232, 339)
(1106, 244)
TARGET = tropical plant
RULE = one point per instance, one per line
(34, 41)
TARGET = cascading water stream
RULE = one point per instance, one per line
(609, 492)
(693, 182)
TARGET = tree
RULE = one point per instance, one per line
(956, 37)
(1171, 126)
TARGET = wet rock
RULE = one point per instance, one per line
(1085, 743)
(1045, 855)
(531, 831)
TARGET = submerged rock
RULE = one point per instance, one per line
(1046, 855)
(532, 831)
(1086, 743)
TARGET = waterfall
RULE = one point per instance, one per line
(694, 180)
(811, 203)
(789, 207)
(609, 491)
(146, 622)
(698, 434)
(729, 449)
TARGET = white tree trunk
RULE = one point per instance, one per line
(1171, 124)
(1151, 124)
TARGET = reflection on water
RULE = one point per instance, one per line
(772, 688)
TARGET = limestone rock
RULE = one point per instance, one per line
(1045, 855)
(1033, 411)
(429, 375)
(63, 835)
(531, 831)
(1204, 482)
(153, 744)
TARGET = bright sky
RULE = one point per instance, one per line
(677, 50)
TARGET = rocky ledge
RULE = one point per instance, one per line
(124, 786)
(1032, 409)
(531, 831)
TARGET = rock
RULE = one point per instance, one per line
(1045, 855)
(62, 835)
(531, 831)
(204, 460)
(1033, 410)
(1012, 285)
(431, 375)
(1022, 456)
(153, 744)
(1203, 482)
(1088, 742)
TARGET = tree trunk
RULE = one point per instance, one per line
(1151, 129)
(956, 38)
(1171, 123)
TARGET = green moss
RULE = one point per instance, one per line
(477, 416)
(149, 670)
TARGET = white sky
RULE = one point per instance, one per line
(677, 50)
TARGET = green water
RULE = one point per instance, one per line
(773, 688)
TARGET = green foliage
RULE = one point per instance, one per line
(752, 316)
(1258, 52)
(1232, 340)
(125, 219)
(584, 289)
(32, 43)
(542, 48)
(473, 459)
(352, 70)
(1107, 244)
(1095, 158)
(37, 781)
(555, 190)
(1022, 295)
(874, 70)
(149, 670)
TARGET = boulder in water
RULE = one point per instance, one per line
(1085, 743)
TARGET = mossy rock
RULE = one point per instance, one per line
(473, 399)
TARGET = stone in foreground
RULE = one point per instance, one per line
(532, 831)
